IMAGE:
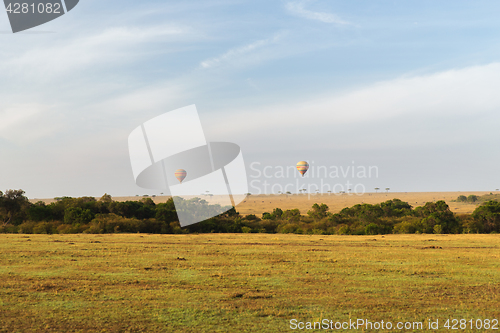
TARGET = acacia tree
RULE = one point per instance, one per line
(12, 204)
(376, 189)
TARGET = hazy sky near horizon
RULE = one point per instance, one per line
(410, 87)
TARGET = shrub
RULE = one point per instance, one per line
(438, 229)
(372, 229)
(318, 232)
(9, 229)
(246, 230)
(472, 198)
(26, 227)
(44, 228)
(71, 228)
(266, 216)
(408, 225)
(344, 230)
(251, 217)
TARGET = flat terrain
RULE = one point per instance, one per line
(258, 204)
(244, 282)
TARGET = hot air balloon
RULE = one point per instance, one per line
(180, 174)
(302, 166)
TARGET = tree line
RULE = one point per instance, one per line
(90, 215)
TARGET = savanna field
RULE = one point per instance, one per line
(243, 282)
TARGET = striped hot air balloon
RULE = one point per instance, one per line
(302, 166)
(180, 174)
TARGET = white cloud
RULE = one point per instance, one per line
(297, 8)
(439, 105)
(236, 54)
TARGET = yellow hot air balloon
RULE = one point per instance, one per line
(180, 174)
(302, 166)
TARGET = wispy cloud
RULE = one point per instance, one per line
(297, 8)
(110, 46)
(236, 54)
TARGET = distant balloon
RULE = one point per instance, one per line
(180, 174)
(302, 166)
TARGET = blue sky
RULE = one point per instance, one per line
(407, 86)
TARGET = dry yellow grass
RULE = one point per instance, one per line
(258, 204)
(242, 282)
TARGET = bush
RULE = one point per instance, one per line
(71, 228)
(266, 216)
(318, 232)
(9, 229)
(44, 228)
(26, 227)
(344, 230)
(288, 228)
(251, 217)
(246, 230)
(112, 223)
(408, 225)
(372, 229)
(472, 198)
(438, 229)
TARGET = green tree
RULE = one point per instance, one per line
(267, 216)
(77, 215)
(318, 212)
(166, 211)
(291, 215)
(462, 198)
(39, 212)
(488, 217)
(275, 215)
(395, 208)
(12, 204)
(106, 198)
(437, 213)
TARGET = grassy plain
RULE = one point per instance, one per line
(242, 282)
(266, 203)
